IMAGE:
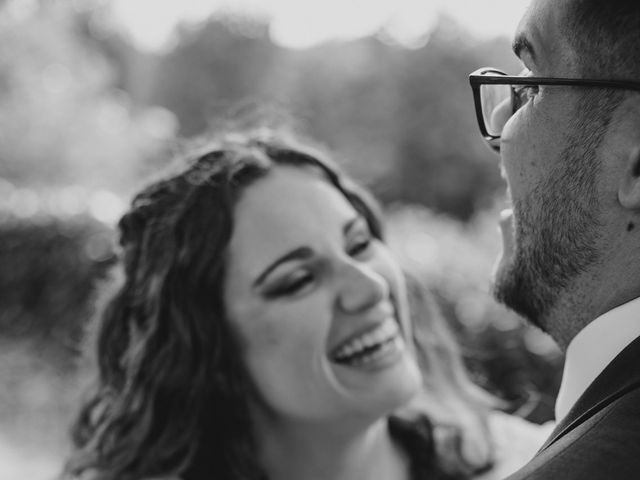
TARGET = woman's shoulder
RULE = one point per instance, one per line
(516, 433)
(516, 441)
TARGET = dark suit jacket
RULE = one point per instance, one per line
(600, 436)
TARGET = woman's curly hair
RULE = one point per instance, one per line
(171, 394)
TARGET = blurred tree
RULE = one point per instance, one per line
(80, 105)
(50, 265)
(226, 61)
(61, 119)
(401, 120)
(510, 358)
(442, 161)
(349, 96)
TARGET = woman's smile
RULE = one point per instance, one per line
(327, 339)
(376, 347)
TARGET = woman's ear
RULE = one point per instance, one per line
(629, 189)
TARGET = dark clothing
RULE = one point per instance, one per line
(416, 439)
(600, 436)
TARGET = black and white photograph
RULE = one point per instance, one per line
(319, 240)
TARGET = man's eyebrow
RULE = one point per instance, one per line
(300, 253)
(522, 44)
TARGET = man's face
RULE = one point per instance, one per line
(548, 157)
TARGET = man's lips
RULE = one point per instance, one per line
(503, 173)
(506, 216)
(506, 228)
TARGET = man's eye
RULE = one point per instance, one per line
(523, 93)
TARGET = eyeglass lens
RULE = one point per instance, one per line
(497, 106)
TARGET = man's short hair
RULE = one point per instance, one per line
(605, 37)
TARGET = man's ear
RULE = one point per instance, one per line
(627, 142)
(629, 189)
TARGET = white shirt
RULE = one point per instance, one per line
(595, 346)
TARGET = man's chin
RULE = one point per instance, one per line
(516, 290)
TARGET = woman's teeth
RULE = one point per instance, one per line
(370, 346)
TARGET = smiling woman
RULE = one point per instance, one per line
(314, 295)
(263, 331)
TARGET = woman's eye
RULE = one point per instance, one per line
(291, 287)
(360, 246)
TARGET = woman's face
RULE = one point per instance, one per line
(318, 304)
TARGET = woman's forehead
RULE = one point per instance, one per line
(288, 208)
(290, 195)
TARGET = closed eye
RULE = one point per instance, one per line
(358, 237)
(292, 285)
(360, 246)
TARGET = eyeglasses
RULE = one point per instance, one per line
(497, 96)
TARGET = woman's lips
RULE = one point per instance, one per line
(370, 345)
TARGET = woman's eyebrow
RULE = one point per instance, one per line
(300, 253)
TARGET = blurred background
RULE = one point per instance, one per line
(96, 95)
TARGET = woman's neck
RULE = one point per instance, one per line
(320, 452)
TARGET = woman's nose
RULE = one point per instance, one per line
(361, 287)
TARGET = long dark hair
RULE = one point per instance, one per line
(171, 396)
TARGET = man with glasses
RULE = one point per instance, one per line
(568, 134)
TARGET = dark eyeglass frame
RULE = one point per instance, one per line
(493, 76)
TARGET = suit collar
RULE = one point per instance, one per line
(593, 348)
(621, 376)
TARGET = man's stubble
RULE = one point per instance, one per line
(557, 227)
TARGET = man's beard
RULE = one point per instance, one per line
(555, 242)
(556, 232)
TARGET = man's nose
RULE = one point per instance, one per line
(497, 120)
(361, 288)
(499, 117)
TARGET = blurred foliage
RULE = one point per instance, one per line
(402, 119)
(62, 118)
(99, 112)
(84, 115)
(49, 267)
(510, 358)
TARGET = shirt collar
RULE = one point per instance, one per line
(593, 348)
